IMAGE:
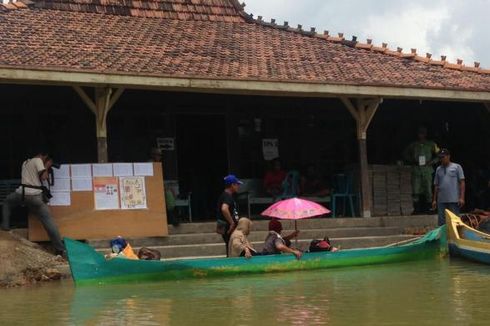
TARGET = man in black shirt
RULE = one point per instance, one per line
(227, 210)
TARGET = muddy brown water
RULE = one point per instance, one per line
(440, 292)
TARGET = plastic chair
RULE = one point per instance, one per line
(343, 188)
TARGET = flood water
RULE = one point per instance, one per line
(449, 292)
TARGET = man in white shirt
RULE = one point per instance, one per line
(30, 194)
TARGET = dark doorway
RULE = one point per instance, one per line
(202, 160)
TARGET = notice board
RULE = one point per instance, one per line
(80, 220)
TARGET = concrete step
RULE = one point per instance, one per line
(206, 238)
(218, 249)
(320, 223)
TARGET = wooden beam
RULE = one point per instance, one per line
(85, 98)
(104, 101)
(363, 112)
(248, 87)
(115, 97)
(350, 107)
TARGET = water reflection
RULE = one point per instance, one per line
(426, 293)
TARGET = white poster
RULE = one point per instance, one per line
(60, 199)
(102, 170)
(81, 184)
(143, 169)
(106, 193)
(123, 169)
(81, 171)
(166, 144)
(133, 192)
(270, 148)
(60, 185)
(62, 173)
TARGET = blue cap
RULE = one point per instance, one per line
(232, 179)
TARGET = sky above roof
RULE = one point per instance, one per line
(454, 28)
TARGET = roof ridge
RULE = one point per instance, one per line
(368, 46)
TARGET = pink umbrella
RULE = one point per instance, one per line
(295, 209)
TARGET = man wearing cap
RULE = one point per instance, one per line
(227, 209)
(421, 154)
(449, 185)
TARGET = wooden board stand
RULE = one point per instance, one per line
(81, 221)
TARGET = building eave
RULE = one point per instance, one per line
(250, 87)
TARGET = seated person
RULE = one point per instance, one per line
(239, 246)
(273, 179)
(312, 184)
(121, 249)
(275, 244)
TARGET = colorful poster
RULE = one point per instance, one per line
(133, 193)
(106, 193)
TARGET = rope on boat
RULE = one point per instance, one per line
(402, 242)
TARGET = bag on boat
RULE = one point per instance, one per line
(149, 254)
(320, 245)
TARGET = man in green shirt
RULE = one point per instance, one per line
(422, 155)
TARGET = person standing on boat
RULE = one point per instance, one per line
(422, 155)
(227, 209)
(449, 182)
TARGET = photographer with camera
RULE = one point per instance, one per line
(35, 197)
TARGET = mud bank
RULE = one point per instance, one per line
(23, 262)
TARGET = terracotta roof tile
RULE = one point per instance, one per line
(228, 10)
(208, 39)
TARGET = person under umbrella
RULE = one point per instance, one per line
(276, 244)
(276, 225)
(289, 209)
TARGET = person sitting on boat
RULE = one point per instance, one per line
(276, 244)
(122, 249)
(239, 245)
(276, 225)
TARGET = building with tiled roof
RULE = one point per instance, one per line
(215, 47)
(207, 40)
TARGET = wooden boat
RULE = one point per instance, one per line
(466, 242)
(90, 267)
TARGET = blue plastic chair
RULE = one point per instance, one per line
(343, 188)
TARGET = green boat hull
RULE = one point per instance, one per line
(90, 267)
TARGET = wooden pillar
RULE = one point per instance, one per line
(104, 101)
(363, 111)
